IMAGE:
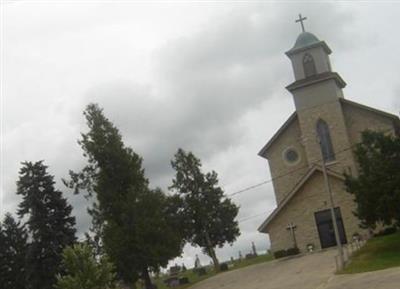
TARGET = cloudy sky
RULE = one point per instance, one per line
(205, 76)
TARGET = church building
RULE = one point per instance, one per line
(324, 127)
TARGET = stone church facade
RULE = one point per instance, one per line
(325, 126)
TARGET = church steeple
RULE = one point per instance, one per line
(309, 56)
(315, 82)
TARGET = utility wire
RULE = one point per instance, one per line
(292, 171)
(270, 180)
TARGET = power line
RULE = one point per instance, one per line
(251, 217)
(292, 171)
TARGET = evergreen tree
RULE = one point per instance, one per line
(13, 244)
(376, 188)
(84, 271)
(139, 227)
(49, 223)
(210, 215)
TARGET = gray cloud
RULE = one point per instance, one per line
(216, 88)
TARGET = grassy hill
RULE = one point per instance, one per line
(194, 278)
(379, 253)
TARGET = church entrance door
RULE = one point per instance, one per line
(325, 228)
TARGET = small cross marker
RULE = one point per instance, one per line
(301, 19)
(292, 227)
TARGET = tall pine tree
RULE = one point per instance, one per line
(13, 244)
(139, 227)
(49, 223)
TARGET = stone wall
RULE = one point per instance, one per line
(290, 137)
(332, 114)
(311, 198)
(358, 120)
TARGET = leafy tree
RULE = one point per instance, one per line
(49, 223)
(84, 271)
(13, 244)
(138, 227)
(376, 188)
(210, 215)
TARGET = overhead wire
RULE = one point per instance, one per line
(292, 171)
(286, 174)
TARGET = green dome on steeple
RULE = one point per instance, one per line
(305, 39)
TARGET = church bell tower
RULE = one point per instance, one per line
(315, 82)
(317, 91)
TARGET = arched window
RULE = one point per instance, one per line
(325, 141)
(309, 65)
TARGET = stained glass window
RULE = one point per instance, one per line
(325, 141)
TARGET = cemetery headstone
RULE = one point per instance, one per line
(172, 281)
(253, 247)
(197, 263)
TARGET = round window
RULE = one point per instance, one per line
(291, 155)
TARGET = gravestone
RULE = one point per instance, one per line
(183, 267)
(174, 270)
(250, 256)
(253, 247)
(172, 281)
(197, 263)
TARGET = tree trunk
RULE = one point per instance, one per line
(211, 252)
(146, 279)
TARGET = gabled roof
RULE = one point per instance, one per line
(291, 118)
(371, 109)
(293, 192)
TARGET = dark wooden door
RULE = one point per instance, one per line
(325, 228)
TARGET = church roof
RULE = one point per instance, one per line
(291, 118)
(343, 101)
(307, 40)
(371, 109)
(292, 193)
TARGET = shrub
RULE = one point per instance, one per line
(288, 252)
(280, 254)
(292, 251)
(200, 271)
(223, 267)
(84, 271)
(387, 231)
(183, 280)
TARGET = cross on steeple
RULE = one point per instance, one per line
(301, 19)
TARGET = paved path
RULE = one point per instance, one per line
(315, 271)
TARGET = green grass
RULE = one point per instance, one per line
(377, 254)
(194, 278)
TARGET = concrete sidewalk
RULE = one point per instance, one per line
(314, 271)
